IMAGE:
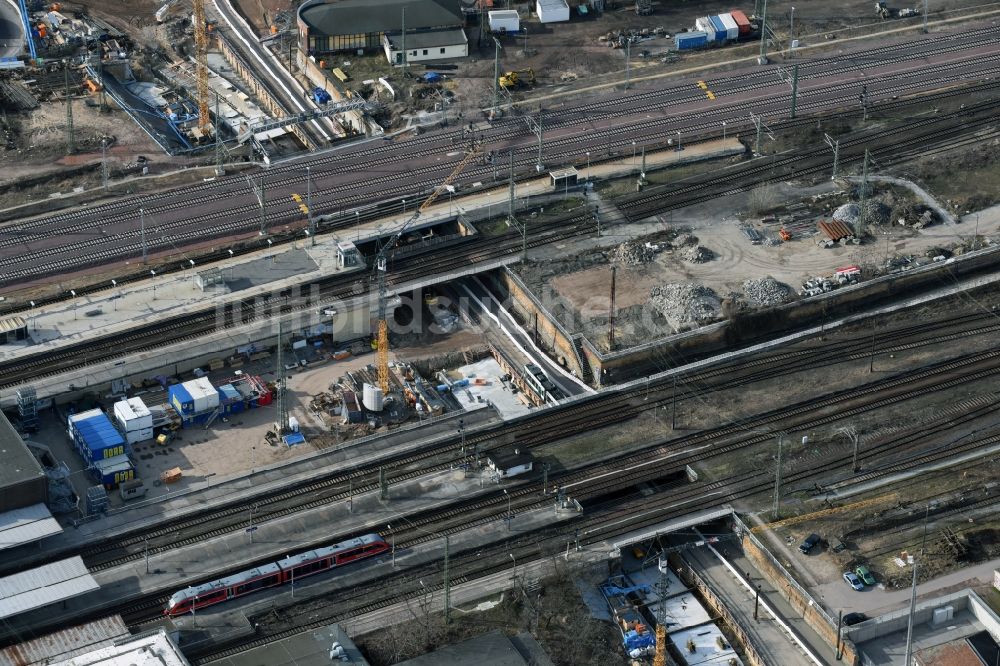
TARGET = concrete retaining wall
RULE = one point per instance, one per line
(800, 600)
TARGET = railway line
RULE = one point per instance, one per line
(928, 133)
(123, 239)
(636, 467)
(603, 520)
(540, 429)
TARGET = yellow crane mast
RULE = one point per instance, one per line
(382, 349)
(201, 63)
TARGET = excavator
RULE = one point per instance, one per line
(517, 78)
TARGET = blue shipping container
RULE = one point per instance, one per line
(721, 32)
(181, 400)
(113, 471)
(690, 40)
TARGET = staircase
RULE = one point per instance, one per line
(587, 376)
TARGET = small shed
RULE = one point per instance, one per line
(510, 462)
(505, 20)
(552, 11)
(562, 178)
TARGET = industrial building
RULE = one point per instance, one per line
(22, 481)
(434, 29)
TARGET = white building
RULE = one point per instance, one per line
(152, 647)
(552, 11)
(425, 46)
(506, 463)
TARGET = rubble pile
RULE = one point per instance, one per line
(848, 213)
(876, 212)
(698, 254)
(634, 253)
(765, 291)
(684, 304)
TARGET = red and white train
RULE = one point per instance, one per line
(274, 574)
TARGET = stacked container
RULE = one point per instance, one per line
(705, 25)
(194, 400)
(112, 471)
(95, 437)
(690, 40)
(721, 33)
(742, 22)
(134, 419)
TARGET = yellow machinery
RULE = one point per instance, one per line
(201, 63)
(382, 339)
(517, 78)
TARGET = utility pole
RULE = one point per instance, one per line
(104, 163)
(309, 205)
(383, 484)
(863, 99)
(777, 478)
(447, 582)
(913, 595)
(263, 207)
(611, 312)
(142, 235)
(762, 58)
(925, 16)
(219, 169)
(795, 87)
(70, 139)
(852, 434)
(758, 123)
(402, 41)
(628, 61)
(835, 145)
(281, 425)
(496, 79)
(860, 231)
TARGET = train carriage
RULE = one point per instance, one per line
(277, 573)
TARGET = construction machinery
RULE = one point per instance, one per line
(201, 63)
(881, 10)
(517, 78)
(381, 268)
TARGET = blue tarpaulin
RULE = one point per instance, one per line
(432, 77)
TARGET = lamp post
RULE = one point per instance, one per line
(791, 26)
(153, 274)
(588, 166)
(723, 130)
(392, 537)
(508, 508)
(679, 148)
(633, 154)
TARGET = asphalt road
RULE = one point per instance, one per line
(361, 174)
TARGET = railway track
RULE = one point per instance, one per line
(501, 132)
(634, 206)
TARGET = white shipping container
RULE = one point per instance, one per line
(504, 19)
(203, 394)
(132, 414)
(136, 436)
(732, 29)
(704, 24)
(552, 11)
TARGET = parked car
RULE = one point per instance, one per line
(853, 580)
(865, 575)
(854, 618)
(809, 543)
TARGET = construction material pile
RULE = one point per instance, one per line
(634, 253)
(765, 291)
(685, 304)
(875, 212)
(848, 213)
(698, 254)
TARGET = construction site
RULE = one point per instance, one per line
(557, 332)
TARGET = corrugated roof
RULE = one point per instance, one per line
(27, 524)
(153, 647)
(47, 584)
(18, 463)
(356, 17)
(835, 229)
(65, 644)
(11, 324)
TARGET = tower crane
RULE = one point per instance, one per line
(381, 268)
(201, 62)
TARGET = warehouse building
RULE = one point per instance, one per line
(434, 28)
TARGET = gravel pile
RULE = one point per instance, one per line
(632, 253)
(698, 254)
(848, 213)
(684, 304)
(765, 291)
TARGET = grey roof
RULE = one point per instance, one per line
(428, 39)
(355, 17)
(16, 462)
(45, 585)
(26, 525)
